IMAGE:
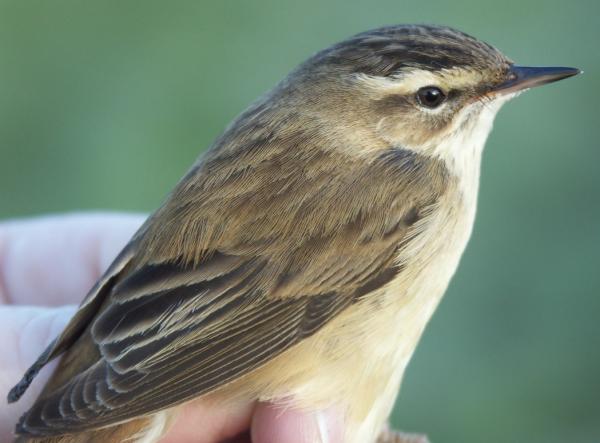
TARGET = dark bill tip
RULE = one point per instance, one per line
(524, 77)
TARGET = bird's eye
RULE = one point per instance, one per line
(430, 97)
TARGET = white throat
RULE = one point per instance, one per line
(461, 150)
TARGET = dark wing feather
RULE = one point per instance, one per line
(220, 283)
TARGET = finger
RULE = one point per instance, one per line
(55, 260)
(26, 331)
(274, 424)
(208, 421)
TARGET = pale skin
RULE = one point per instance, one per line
(46, 266)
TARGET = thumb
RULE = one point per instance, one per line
(26, 331)
(276, 424)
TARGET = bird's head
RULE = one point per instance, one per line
(430, 89)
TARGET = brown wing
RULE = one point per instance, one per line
(221, 281)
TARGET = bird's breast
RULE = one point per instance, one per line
(359, 358)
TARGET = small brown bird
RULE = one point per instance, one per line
(302, 255)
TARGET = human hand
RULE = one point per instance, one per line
(47, 265)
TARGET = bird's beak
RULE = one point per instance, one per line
(520, 78)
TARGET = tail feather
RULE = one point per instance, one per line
(19, 389)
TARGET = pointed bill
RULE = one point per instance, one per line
(523, 77)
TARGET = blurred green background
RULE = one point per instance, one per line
(104, 105)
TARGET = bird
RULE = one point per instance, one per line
(301, 256)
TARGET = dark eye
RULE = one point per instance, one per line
(430, 97)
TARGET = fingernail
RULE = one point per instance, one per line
(329, 425)
(322, 427)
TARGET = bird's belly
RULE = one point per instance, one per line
(357, 361)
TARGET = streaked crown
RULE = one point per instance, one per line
(386, 51)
